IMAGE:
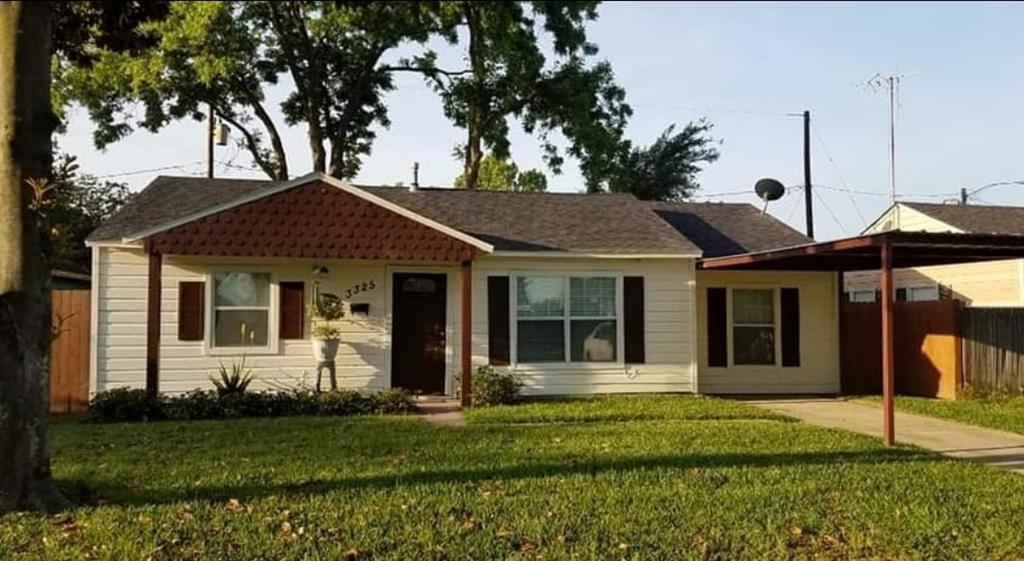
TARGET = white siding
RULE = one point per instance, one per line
(364, 359)
(902, 217)
(988, 283)
(669, 338)
(819, 336)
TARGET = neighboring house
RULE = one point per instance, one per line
(575, 293)
(987, 283)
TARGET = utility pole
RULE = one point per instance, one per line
(209, 140)
(963, 196)
(808, 200)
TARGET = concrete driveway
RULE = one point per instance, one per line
(995, 448)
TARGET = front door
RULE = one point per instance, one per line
(418, 332)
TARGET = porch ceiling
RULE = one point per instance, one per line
(909, 249)
(315, 220)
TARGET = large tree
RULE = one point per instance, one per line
(29, 33)
(510, 74)
(226, 54)
(664, 171)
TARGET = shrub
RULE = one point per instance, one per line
(343, 402)
(125, 404)
(491, 387)
(232, 379)
(193, 405)
(395, 400)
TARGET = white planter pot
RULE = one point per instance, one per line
(325, 349)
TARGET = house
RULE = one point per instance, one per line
(575, 293)
(986, 284)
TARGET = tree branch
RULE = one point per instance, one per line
(251, 142)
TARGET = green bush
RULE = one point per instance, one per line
(395, 400)
(125, 404)
(491, 387)
(343, 402)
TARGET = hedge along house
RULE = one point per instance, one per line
(575, 293)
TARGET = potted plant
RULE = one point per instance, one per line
(327, 307)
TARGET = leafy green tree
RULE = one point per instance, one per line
(508, 75)
(226, 54)
(666, 170)
(77, 205)
(501, 174)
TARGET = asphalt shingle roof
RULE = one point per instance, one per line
(605, 223)
(976, 219)
(721, 229)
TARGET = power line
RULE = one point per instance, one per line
(150, 170)
(839, 174)
(832, 214)
(716, 110)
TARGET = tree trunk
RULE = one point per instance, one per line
(26, 123)
(474, 153)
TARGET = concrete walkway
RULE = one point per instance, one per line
(440, 411)
(995, 448)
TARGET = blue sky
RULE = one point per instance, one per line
(744, 67)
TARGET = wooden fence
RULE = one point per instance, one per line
(927, 348)
(69, 351)
(993, 342)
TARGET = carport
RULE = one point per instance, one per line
(883, 252)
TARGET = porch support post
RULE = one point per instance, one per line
(466, 333)
(888, 362)
(155, 286)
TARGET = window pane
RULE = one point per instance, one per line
(753, 345)
(541, 341)
(540, 297)
(922, 293)
(753, 306)
(862, 296)
(592, 340)
(242, 289)
(592, 296)
(240, 328)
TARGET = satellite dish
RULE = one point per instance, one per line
(768, 190)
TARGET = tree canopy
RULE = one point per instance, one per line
(501, 174)
(667, 169)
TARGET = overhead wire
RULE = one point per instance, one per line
(150, 170)
(839, 174)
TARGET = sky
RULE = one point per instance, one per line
(751, 69)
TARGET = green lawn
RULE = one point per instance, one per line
(1003, 413)
(611, 478)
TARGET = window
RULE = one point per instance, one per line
(753, 326)
(862, 296)
(241, 309)
(561, 319)
(922, 293)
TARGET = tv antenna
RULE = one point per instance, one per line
(891, 84)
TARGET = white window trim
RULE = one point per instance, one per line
(273, 337)
(566, 318)
(925, 286)
(777, 315)
(860, 291)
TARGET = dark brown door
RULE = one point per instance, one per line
(418, 332)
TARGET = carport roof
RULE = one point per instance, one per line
(910, 249)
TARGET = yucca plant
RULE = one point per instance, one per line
(233, 379)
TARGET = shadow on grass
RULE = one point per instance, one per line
(91, 493)
(584, 419)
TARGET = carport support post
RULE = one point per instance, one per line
(155, 287)
(466, 334)
(888, 363)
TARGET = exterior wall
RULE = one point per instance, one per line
(900, 217)
(668, 326)
(363, 360)
(819, 336)
(989, 283)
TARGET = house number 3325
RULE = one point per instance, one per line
(360, 287)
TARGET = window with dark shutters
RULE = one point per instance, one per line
(293, 309)
(790, 317)
(717, 325)
(498, 323)
(633, 319)
(191, 296)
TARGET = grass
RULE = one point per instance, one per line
(1003, 413)
(611, 478)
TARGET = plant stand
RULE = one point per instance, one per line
(329, 365)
